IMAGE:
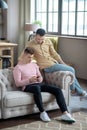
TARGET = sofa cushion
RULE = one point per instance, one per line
(19, 98)
(54, 40)
(6, 76)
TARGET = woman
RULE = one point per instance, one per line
(28, 77)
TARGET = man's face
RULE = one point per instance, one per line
(40, 39)
(28, 57)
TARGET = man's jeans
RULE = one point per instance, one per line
(63, 67)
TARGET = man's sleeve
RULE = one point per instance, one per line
(17, 78)
(53, 52)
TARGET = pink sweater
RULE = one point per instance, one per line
(23, 72)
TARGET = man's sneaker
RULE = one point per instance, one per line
(44, 117)
(74, 93)
(84, 96)
(67, 118)
(83, 93)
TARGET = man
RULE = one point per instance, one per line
(50, 61)
(28, 77)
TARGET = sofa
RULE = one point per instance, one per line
(14, 102)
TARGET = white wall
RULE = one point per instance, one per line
(13, 24)
(74, 51)
(13, 20)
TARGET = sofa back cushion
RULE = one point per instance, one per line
(54, 40)
(6, 76)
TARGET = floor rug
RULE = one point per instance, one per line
(80, 124)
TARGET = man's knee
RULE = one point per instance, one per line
(72, 69)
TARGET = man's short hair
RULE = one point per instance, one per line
(40, 32)
(29, 50)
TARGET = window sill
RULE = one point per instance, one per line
(72, 37)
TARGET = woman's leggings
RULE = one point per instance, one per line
(37, 88)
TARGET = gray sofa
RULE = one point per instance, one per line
(14, 102)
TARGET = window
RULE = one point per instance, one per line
(52, 16)
(64, 17)
(41, 12)
(68, 17)
(82, 18)
(47, 14)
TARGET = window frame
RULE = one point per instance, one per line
(60, 2)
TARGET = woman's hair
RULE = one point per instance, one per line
(29, 50)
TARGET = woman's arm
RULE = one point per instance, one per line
(54, 54)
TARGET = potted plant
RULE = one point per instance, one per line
(37, 22)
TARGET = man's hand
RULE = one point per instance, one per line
(33, 79)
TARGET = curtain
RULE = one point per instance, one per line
(24, 17)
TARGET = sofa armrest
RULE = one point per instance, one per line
(3, 89)
(59, 78)
(2, 94)
(62, 79)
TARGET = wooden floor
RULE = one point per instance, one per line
(77, 105)
(31, 118)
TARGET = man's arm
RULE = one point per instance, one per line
(39, 75)
(54, 54)
(61, 61)
(17, 78)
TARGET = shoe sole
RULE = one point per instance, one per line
(45, 120)
(69, 121)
